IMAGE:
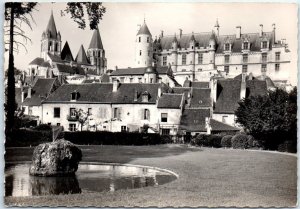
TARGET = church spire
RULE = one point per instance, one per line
(51, 27)
(96, 42)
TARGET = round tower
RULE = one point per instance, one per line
(192, 52)
(150, 75)
(51, 40)
(211, 50)
(174, 55)
(143, 47)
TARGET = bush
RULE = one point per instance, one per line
(207, 140)
(27, 137)
(226, 141)
(239, 141)
(43, 127)
(113, 138)
(288, 146)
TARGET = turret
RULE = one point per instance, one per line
(217, 28)
(192, 42)
(174, 55)
(192, 52)
(212, 48)
(96, 53)
(143, 47)
(150, 75)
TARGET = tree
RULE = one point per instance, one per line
(270, 118)
(17, 13)
(82, 117)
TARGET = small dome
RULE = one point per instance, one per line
(150, 70)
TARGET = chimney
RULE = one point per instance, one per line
(29, 92)
(161, 34)
(243, 86)
(116, 85)
(116, 67)
(159, 92)
(135, 95)
(238, 32)
(180, 33)
(213, 89)
(261, 30)
(207, 125)
(22, 96)
(274, 28)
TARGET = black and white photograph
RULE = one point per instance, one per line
(150, 104)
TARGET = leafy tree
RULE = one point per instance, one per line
(82, 117)
(270, 118)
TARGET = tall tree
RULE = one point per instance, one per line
(15, 14)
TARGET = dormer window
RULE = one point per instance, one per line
(246, 45)
(74, 95)
(264, 44)
(227, 47)
(145, 96)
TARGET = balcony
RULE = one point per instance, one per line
(72, 117)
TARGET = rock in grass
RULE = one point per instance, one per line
(58, 158)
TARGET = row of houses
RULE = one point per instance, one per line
(196, 107)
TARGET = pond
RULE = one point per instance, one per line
(88, 178)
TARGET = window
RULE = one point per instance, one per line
(29, 110)
(224, 119)
(50, 46)
(227, 47)
(226, 58)
(123, 128)
(263, 68)
(72, 112)
(226, 68)
(122, 79)
(115, 113)
(164, 60)
(148, 39)
(57, 124)
(245, 58)
(140, 52)
(151, 80)
(74, 95)
(56, 112)
(56, 47)
(200, 58)
(89, 111)
(49, 124)
(245, 67)
(246, 45)
(264, 44)
(140, 80)
(148, 53)
(277, 67)
(139, 39)
(164, 117)
(165, 131)
(264, 57)
(277, 56)
(146, 114)
(200, 69)
(145, 97)
(72, 127)
(131, 80)
(183, 70)
(183, 59)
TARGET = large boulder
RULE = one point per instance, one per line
(58, 158)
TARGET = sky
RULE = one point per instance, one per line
(119, 26)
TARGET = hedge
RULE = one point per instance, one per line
(207, 140)
(226, 141)
(239, 141)
(29, 137)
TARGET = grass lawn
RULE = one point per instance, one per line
(207, 177)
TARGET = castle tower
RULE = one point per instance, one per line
(143, 47)
(192, 52)
(217, 28)
(51, 40)
(212, 50)
(96, 53)
(174, 55)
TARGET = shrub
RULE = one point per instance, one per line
(27, 137)
(207, 140)
(43, 127)
(288, 146)
(239, 141)
(226, 141)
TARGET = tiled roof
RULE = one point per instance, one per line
(194, 120)
(144, 30)
(91, 72)
(102, 93)
(171, 101)
(66, 53)
(96, 42)
(91, 81)
(55, 58)
(200, 84)
(45, 64)
(200, 98)
(40, 91)
(70, 69)
(219, 126)
(51, 28)
(105, 78)
(37, 61)
(228, 93)
(81, 56)
(138, 71)
(202, 40)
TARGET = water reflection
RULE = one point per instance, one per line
(88, 178)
